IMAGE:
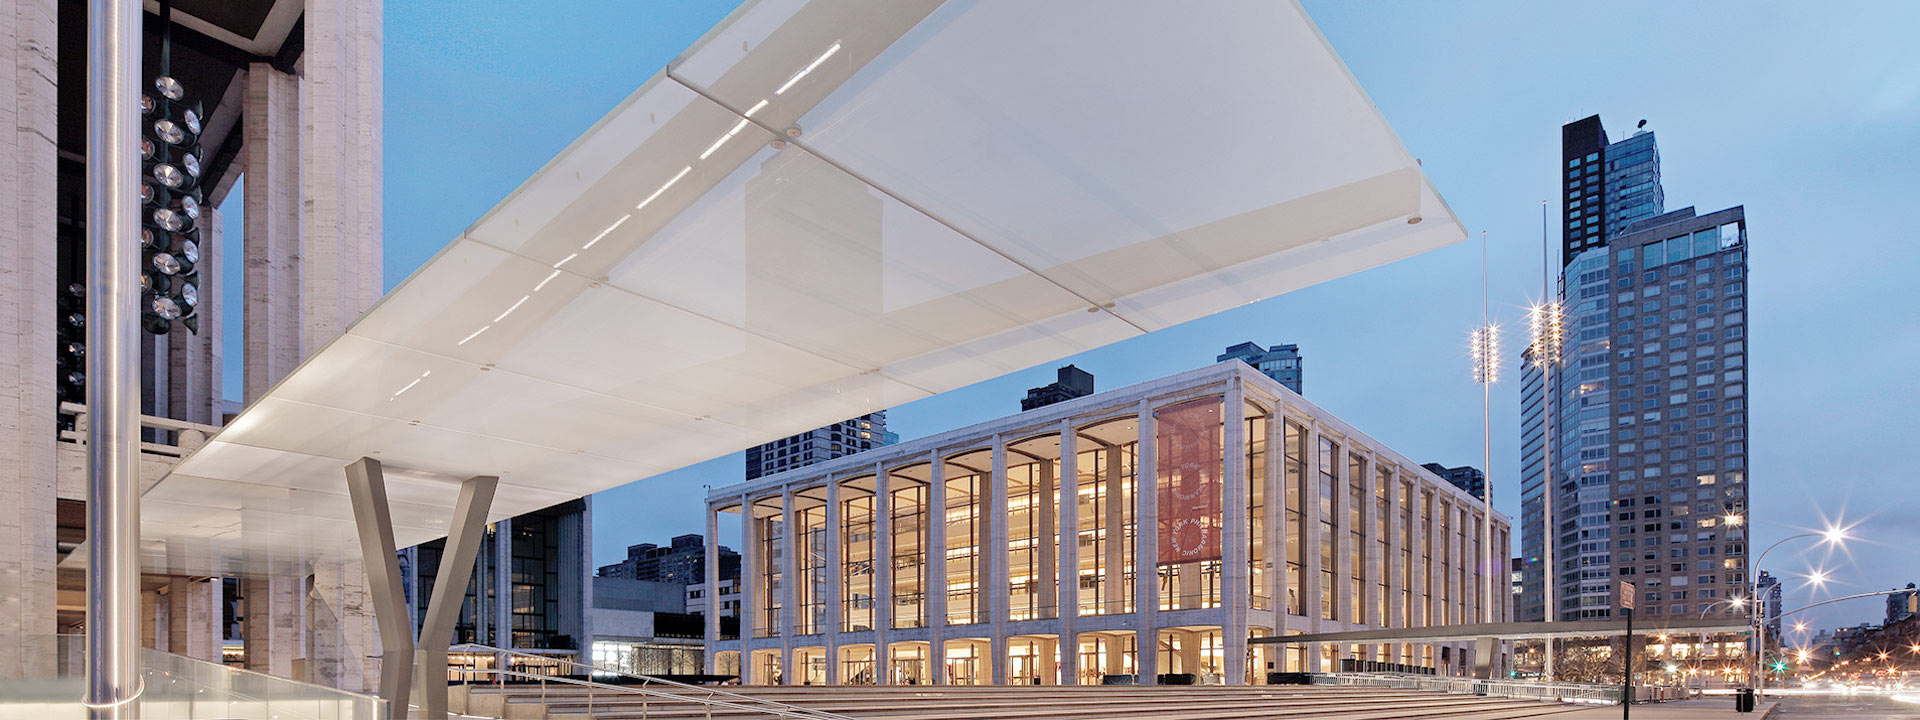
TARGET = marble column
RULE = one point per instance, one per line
(29, 282)
(1235, 586)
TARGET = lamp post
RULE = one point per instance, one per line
(1484, 342)
(1834, 535)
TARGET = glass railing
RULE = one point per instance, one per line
(48, 686)
(1584, 693)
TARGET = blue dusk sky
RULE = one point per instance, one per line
(1807, 115)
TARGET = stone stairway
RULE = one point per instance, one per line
(572, 702)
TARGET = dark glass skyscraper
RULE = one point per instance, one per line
(1647, 408)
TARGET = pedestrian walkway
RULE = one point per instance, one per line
(1711, 707)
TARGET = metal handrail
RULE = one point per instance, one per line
(1560, 691)
(784, 711)
(789, 710)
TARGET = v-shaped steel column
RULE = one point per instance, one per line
(367, 488)
(450, 589)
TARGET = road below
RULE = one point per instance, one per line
(1843, 707)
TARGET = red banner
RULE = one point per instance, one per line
(1189, 448)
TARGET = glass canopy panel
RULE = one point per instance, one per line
(828, 208)
(1225, 134)
(706, 212)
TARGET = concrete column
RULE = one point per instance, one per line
(1113, 569)
(194, 617)
(273, 588)
(883, 599)
(30, 284)
(1147, 550)
(340, 238)
(499, 612)
(1276, 525)
(790, 579)
(710, 560)
(1396, 560)
(1047, 505)
(995, 552)
(343, 645)
(153, 610)
(752, 595)
(833, 568)
(1235, 579)
(1343, 569)
(1310, 590)
(271, 252)
(1370, 555)
(1068, 578)
(937, 568)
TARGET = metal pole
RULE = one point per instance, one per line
(1550, 574)
(1487, 566)
(1626, 669)
(113, 358)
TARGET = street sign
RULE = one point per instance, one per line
(1626, 595)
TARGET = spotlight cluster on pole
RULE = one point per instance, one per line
(72, 333)
(170, 208)
(1547, 328)
(1484, 344)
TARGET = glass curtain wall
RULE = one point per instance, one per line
(1329, 454)
(1356, 537)
(856, 554)
(1033, 498)
(1294, 467)
(1106, 497)
(1426, 557)
(1377, 565)
(1408, 610)
(1257, 553)
(771, 532)
(967, 475)
(811, 564)
(908, 488)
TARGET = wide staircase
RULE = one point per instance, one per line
(564, 701)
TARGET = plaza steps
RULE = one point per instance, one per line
(562, 702)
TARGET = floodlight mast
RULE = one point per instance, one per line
(113, 341)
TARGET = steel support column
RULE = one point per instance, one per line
(113, 358)
(367, 489)
(469, 525)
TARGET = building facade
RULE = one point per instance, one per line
(643, 627)
(529, 589)
(1465, 477)
(1267, 516)
(1767, 588)
(1645, 413)
(682, 562)
(1903, 605)
(1072, 382)
(840, 439)
(1280, 362)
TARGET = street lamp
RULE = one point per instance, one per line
(1484, 342)
(1834, 535)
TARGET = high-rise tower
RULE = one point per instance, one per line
(1648, 406)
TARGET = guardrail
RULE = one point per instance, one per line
(176, 438)
(709, 696)
(1583, 693)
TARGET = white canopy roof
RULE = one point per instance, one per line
(825, 209)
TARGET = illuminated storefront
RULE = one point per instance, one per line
(1266, 516)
